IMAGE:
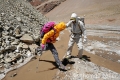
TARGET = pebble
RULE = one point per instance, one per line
(13, 75)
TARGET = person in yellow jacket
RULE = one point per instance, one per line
(50, 38)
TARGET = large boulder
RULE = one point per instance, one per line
(27, 38)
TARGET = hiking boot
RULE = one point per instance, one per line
(82, 58)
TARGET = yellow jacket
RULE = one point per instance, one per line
(53, 34)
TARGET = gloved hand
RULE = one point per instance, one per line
(42, 46)
(84, 40)
(73, 20)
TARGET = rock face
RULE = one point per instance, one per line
(45, 6)
(19, 25)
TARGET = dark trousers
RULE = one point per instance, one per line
(51, 47)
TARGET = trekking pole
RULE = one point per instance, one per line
(39, 54)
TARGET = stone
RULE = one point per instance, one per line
(5, 33)
(15, 42)
(1, 56)
(17, 30)
(10, 47)
(27, 38)
(18, 55)
(20, 44)
(12, 38)
(1, 66)
(20, 60)
(14, 74)
(1, 61)
(18, 35)
(11, 55)
(25, 46)
(18, 49)
(33, 47)
(19, 19)
(2, 49)
(7, 60)
(7, 65)
(6, 28)
(7, 42)
(37, 38)
(2, 14)
(28, 53)
(3, 43)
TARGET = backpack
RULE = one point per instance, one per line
(81, 19)
(46, 28)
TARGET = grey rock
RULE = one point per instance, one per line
(25, 46)
(1, 56)
(19, 19)
(13, 75)
(7, 65)
(18, 49)
(1, 66)
(2, 49)
(7, 60)
(17, 31)
(2, 14)
(33, 47)
(29, 53)
(1, 61)
(37, 38)
(6, 27)
(27, 38)
(12, 38)
(7, 42)
(15, 42)
(18, 35)
(20, 60)
(11, 47)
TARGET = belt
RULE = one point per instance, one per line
(76, 32)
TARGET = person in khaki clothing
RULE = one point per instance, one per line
(77, 32)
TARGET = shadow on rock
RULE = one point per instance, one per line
(86, 58)
(66, 61)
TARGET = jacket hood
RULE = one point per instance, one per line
(60, 26)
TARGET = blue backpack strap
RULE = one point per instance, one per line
(42, 34)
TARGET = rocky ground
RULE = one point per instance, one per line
(17, 36)
(101, 51)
